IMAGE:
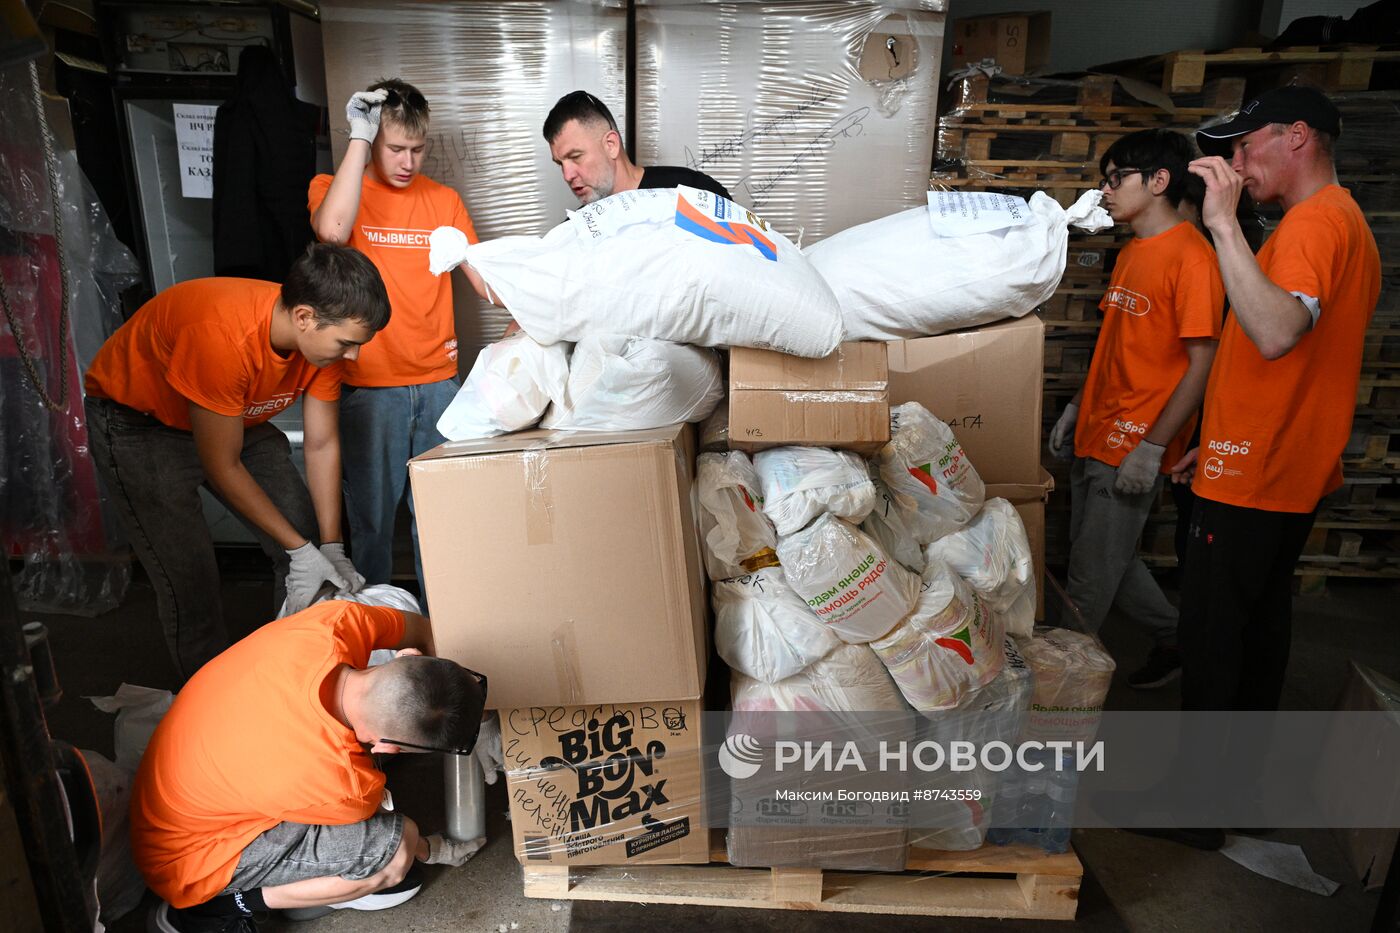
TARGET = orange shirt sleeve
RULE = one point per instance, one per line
(463, 221)
(361, 629)
(317, 192)
(204, 371)
(1200, 299)
(1306, 256)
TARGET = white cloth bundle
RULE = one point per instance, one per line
(634, 383)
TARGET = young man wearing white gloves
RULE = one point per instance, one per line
(1133, 416)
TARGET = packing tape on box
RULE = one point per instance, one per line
(563, 649)
(808, 396)
(539, 498)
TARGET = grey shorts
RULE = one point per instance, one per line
(295, 852)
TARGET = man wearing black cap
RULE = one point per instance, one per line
(1279, 403)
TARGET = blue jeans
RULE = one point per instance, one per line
(381, 429)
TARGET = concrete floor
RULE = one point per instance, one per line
(1131, 883)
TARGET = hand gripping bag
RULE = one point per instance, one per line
(949, 647)
(634, 383)
(510, 385)
(993, 554)
(675, 264)
(738, 537)
(846, 579)
(764, 630)
(897, 278)
(800, 483)
(927, 470)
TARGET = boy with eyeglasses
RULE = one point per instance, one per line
(1134, 414)
(259, 791)
(396, 391)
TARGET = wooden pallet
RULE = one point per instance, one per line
(1343, 69)
(993, 881)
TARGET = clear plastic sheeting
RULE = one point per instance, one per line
(51, 512)
(789, 104)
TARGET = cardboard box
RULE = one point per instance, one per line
(606, 785)
(1029, 500)
(566, 567)
(1369, 850)
(1020, 42)
(986, 383)
(841, 401)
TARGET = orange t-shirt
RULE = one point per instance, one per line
(207, 341)
(1165, 289)
(392, 228)
(1274, 431)
(249, 744)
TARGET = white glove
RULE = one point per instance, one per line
(487, 751)
(445, 851)
(335, 553)
(362, 113)
(1139, 469)
(1062, 434)
(310, 568)
(447, 249)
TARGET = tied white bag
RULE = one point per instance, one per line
(1072, 673)
(848, 680)
(738, 537)
(847, 580)
(949, 647)
(675, 264)
(800, 483)
(634, 383)
(927, 470)
(764, 630)
(993, 554)
(897, 278)
(509, 387)
(890, 524)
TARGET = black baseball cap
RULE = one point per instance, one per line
(1281, 105)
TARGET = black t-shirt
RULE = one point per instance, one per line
(668, 176)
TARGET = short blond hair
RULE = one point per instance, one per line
(405, 107)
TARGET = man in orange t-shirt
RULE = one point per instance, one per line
(398, 388)
(258, 790)
(1137, 408)
(180, 396)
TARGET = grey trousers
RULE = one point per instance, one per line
(153, 474)
(290, 852)
(1105, 571)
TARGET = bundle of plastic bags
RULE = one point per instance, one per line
(675, 264)
(1072, 673)
(889, 524)
(847, 580)
(509, 386)
(930, 475)
(634, 383)
(993, 554)
(800, 483)
(738, 537)
(901, 276)
(850, 679)
(764, 630)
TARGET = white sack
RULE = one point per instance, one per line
(895, 278)
(848, 680)
(511, 383)
(376, 594)
(139, 710)
(800, 483)
(948, 648)
(634, 383)
(764, 630)
(928, 472)
(993, 554)
(738, 537)
(120, 885)
(676, 264)
(1072, 673)
(847, 579)
(890, 523)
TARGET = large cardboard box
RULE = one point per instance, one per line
(1029, 500)
(606, 785)
(566, 567)
(840, 401)
(986, 383)
(1369, 850)
(1020, 42)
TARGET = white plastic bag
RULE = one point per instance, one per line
(847, 579)
(376, 594)
(993, 554)
(120, 885)
(1072, 673)
(948, 648)
(764, 630)
(511, 383)
(800, 483)
(635, 383)
(890, 524)
(927, 470)
(738, 537)
(848, 680)
(139, 710)
(676, 264)
(896, 278)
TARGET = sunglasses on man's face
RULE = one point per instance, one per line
(481, 679)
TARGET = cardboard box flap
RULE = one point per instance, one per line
(1017, 493)
(539, 439)
(854, 367)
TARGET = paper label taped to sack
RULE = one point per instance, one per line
(962, 213)
(719, 220)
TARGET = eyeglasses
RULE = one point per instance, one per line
(467, 750)
(414, 100)
(1114, 179)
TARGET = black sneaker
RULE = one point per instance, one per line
(405, 890)
(167, 919)
(1162, 667)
